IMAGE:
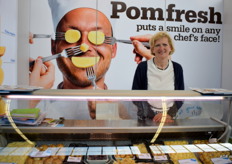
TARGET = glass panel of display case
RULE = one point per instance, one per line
(105, 125)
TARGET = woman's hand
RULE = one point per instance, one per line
(42, 74)
(158, 117)
(139, 49)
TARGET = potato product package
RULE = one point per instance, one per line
(97, 159)
(16, 152)
(159, 156)
(46, 153)
(141, 151)
(78, 154)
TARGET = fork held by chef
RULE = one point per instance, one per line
(68, 52)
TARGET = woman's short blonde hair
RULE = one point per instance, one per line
(158, 36)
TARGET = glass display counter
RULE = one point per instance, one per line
(114, 126)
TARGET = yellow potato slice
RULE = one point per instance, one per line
(96, 37)
(84, 47)
(84, 62)
(2, 50)
(72, 36)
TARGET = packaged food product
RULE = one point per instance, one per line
(46, 154)
(97, 159)
(126, 160)
(144, 155)
(16, 152)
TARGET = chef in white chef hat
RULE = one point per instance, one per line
(85, 18)
(61, 7)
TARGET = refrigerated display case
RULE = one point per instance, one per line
(108, 126)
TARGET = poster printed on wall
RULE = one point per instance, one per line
(195, 26)
(8, 30)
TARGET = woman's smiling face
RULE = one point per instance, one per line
(162, 48)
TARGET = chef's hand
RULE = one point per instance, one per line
(159, 116)
(42, 74)
(139, 49)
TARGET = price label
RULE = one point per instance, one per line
(144, 156)
(188, 161)
(221, 160)
(74, 159)
(160, 158)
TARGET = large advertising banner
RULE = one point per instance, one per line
(8, 41)
(194, 25)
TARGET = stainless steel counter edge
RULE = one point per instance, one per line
(121, 93)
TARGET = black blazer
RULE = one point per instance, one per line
(140, 78)
(140, 83)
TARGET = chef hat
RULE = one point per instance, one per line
(61, 7)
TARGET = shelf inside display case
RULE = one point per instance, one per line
(106, 94)
(110, 94)
(123, 126)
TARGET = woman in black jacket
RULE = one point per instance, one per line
(158, 73)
